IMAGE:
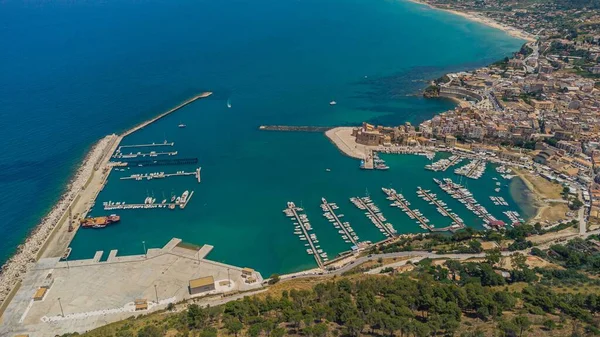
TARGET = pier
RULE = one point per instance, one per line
(162, 175)
(473, 169)
(295, 128)
(109, 206)
(465, 197)
(157, 162)
(120, 155)
(165, 143)
(302, 222)
(443, 164)
(443, 209)
(345, 230)
(374, 214)
(399, 201)
(166, 113)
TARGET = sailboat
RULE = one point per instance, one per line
(228, 103)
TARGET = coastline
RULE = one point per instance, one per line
(50, 237)
(342, 138)
(475, 17)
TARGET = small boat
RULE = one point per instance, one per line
(332, 103)
(228, 104)
(181, 125)
(328, 170)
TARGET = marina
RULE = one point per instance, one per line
(156, 162)
(162, 175)
(150, 203)
(443, 164)
(344, 229)
(465, 197)
(374, 214)
(132, 155)
(301, 228)
(474, 169)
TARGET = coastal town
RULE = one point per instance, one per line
(534, 115)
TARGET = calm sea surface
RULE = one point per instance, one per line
(72, 72)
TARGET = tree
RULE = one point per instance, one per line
(493, 256)
(149, 331)
(234, 326)
(208, 332)
(549, 324)
(522, 323)
(278, 332)
(274, 279)
(354, 325)
(518, 260)
(320, 330)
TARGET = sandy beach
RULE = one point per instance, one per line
(476, 17)
(346, 143)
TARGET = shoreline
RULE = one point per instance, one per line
(476, 17)
(50, 238)
(343, 140)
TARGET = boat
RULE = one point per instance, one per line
(66, 254)
(332, 103)
(99, 222)
(229, 104)
(184, 196)
(181, 125)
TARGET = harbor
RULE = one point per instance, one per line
(302, 228)
(344, 229)
(474, 169)
(165, 143)
(132, 155)
(374, 214)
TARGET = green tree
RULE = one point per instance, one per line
(518, 260)
(522, 323)
(208, 332)
(354, 326)
(278, 332)
(493, 256)
(234, 326)
(274, 279)
(149, 331)
(549, 325)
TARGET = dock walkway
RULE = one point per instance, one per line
(294, 211)
(338, 223)
(399, 201)
(373, 213)
(458, 222)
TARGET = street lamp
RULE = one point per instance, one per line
(145, 251)
(61, 308)
(156, 292)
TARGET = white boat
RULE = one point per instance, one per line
(228, 104)
(181, 125)
(332, 103)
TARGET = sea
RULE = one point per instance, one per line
(72, 72)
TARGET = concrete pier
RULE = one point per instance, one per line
(339, 222)
(305, 230)
(366, 204)
(165, 143)
(459, 224)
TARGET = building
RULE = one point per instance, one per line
(40, 294)
(542, 105)
(141, 304)
(450, 141)
(201, 285)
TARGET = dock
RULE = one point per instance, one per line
(162, 175)
(400, 202)
(443, 164)
(473, 169)
(156, 162)
(109, 206)
(131, 155)
(374, 214)
(295, 128)
(347, 233)
(465, 197)
(165, 143)
(457, 224)
(301, 222)
(368, 163)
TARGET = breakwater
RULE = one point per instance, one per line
(295, 128)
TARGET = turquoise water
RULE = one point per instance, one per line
(73, 72)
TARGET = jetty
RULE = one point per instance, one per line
(443, 164)
(119, 155)
(465, 197)
(473, 169)
(298, 128)
(161, 175)
(302, 227)
(344, 228)
(457, 224)
(166, 113)
(400, 202)
(148, 204)
(374, 214)
(165, 143)
(156, 162)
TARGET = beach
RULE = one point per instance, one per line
(476, 17)
(346, 143)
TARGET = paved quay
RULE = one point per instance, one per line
(93, 293)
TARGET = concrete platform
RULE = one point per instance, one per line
(94, 293)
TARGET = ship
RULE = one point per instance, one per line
(100, 222)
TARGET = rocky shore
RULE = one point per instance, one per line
(27, 253)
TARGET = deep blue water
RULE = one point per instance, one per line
(72, 72)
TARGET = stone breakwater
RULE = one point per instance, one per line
(15, 268)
